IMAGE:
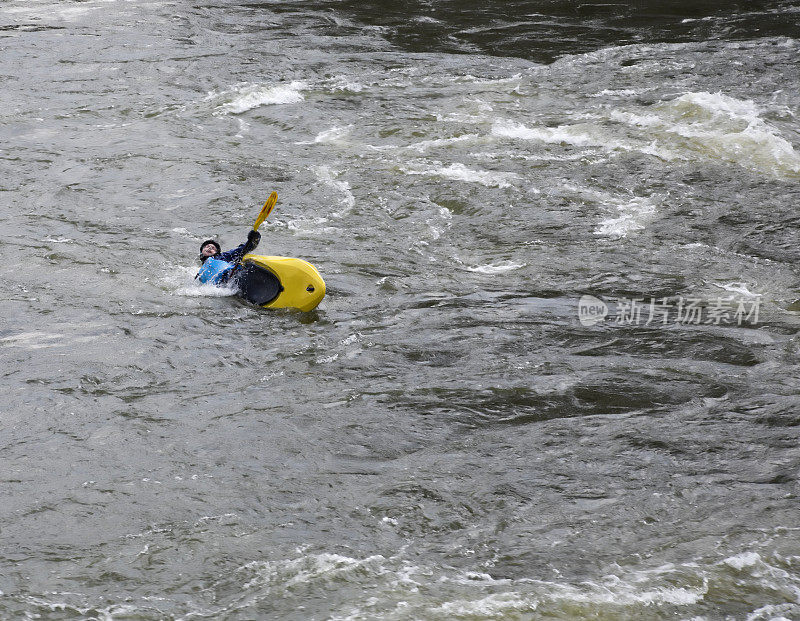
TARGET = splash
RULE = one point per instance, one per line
(182, 283)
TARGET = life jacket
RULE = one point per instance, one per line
(215, 271)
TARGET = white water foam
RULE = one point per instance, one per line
(516, 155)
(625, 92)
(740, 288)
(327, 359)
(471, 79)
(424, 145)
(745, 559)
(633, 213)
(496, 268)
(633, 216)
(771, 576)
(446, 221)
(459, 172)
(578, 135)
(424, 19)
(330, 177)
(334, 134)
(345, 84)
(774, 613)
(181, 281)
(205, 291)
(56, 10)
(588, 136)
(613, 590)
(305, 569)
(246, 97)
(313, 226)
(718, 127)
(497, 605)
(399, 589)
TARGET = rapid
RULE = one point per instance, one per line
(555, 374)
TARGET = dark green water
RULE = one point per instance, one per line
(443, 438)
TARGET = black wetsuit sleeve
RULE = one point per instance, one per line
(235, 255)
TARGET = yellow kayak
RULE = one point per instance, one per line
(280, 282)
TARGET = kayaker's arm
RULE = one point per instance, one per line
(253, 237)
(235, 255)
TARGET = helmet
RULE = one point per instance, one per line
(210, 241)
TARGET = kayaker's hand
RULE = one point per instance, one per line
(253, 237)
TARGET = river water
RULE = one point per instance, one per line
(556, 371)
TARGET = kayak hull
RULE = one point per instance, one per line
(281, 282)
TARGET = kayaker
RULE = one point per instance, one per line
(219, 267)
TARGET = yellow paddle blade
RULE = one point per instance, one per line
(265, 210)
